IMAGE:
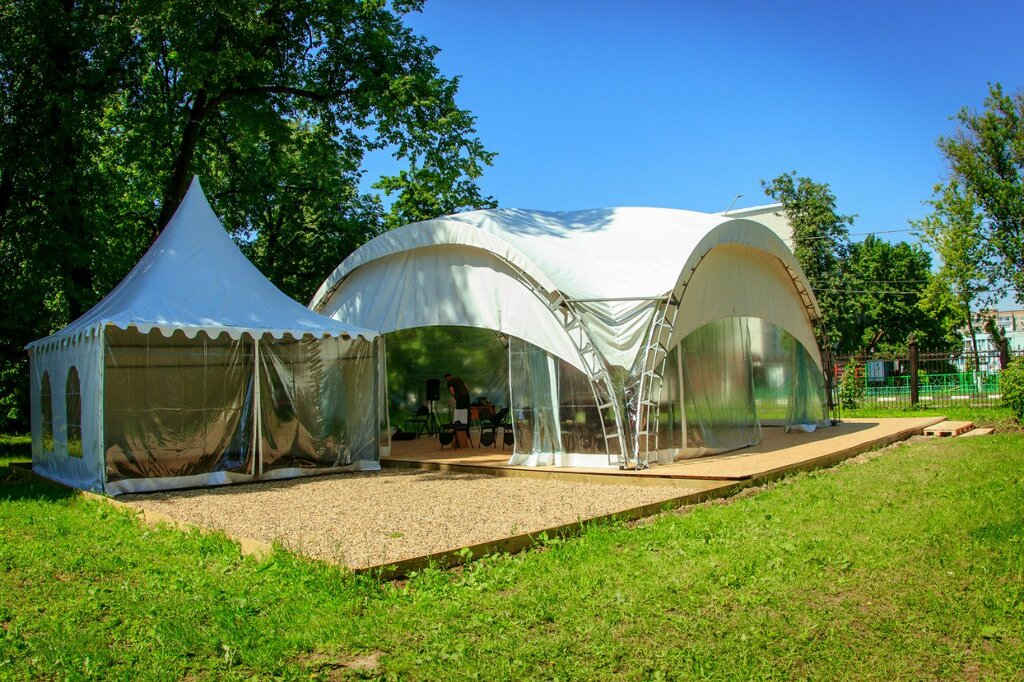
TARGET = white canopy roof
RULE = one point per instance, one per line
(195, 278)
(613, 266)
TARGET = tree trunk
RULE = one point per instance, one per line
(974, 336)
(180, 178)
(273, 236)
(6, 189)
(65, 198)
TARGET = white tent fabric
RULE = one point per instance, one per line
(575, 284)
(772, 216)
(614, 266)
(193, 278)
(457, 286)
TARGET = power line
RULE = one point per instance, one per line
(902, 293)
(870, 291)
(860, 234)
(892, 281)
(866, 234)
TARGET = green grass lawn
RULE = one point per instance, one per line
(999, 417)
(13, 448)
(909, 565)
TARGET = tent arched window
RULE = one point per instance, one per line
(73, 412)
(46, 405)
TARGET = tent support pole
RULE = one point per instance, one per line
(257, 442)
(98, 396)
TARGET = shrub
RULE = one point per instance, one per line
(851, 391)
(1011, 385)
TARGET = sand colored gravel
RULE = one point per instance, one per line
(369, 519)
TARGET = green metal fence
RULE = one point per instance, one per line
(942, 379)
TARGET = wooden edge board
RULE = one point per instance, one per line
(596, 476)
(451, 558)
(458, 556)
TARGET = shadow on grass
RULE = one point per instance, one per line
(18, 485)
(15, 448)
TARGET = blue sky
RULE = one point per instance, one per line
(687, 104)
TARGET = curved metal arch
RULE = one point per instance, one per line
(650, 366)
(561, 308)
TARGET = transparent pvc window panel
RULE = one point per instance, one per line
(73, 412)
(671, 425)
(318, 402)
(381, 397)
(807, 405)
(535, 400)
(788, 387)
(46, 412)
(579, 417)
(718, 386)
(175, 406)
(414, 356)
(772, 356)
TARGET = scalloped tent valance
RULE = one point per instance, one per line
(195, 278)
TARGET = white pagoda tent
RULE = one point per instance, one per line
(196, 370)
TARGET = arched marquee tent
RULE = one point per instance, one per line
(630, 334)
(196, 370)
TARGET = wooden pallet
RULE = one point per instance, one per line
(978, 432)
(947, 428)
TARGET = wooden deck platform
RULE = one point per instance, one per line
(983, 431)
(945, 429)
(778, 453)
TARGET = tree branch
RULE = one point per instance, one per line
(233, 93)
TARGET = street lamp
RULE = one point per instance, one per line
(734, 200)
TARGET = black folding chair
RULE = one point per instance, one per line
(489, 430)
(449, 434)
(420, 421)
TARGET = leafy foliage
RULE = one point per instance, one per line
(955, 231)
(1011, 383)
(109, 108)
(887, 284)
(986, 158)
(851, 387)
(863, 288)
(821, 241)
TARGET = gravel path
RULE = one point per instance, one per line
(368, 519)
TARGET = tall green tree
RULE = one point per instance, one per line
(955, 231)
(108, 108)
(986, 158)
(886, 285)
(821, 242)
(276, 105)
(59, 61)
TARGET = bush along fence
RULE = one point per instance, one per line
(927, 379)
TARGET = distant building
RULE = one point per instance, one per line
(1010, 323)
(1006, 320)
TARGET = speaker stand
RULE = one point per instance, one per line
(432, 427)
